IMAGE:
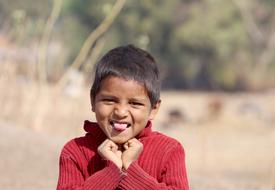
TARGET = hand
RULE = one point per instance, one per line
(108, 150)
(133, 148)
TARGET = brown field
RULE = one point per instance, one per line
(231, 146)
(229, 139)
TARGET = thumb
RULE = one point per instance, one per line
(118, 153)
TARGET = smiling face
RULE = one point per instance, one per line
(122, 108)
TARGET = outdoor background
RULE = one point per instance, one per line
(217, 63)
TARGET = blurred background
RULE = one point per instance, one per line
(217, 63)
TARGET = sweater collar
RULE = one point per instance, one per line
(94, 129)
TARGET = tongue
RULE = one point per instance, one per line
(120, 126)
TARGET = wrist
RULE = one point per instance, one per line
(126, 165)
(119, 165)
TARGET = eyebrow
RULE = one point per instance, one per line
(138, 99)
(107, 95)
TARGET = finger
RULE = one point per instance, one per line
(126, 145)
(133, 142)
(118, 153)
(103, 144)
(113, 146)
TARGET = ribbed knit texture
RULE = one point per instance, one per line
(161, 164)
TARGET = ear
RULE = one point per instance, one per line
(154, 110)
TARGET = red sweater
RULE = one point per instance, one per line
(161, 164)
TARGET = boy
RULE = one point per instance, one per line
(120, 151)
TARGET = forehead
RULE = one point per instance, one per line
(121, 86)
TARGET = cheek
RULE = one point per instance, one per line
(102, 111)
(141, 115)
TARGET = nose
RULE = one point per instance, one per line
(121, 111)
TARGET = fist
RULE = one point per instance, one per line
(132, 150)
(108, 150)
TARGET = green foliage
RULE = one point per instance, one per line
(199, 44)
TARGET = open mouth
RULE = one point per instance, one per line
(119, 126)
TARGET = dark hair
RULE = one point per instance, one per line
(129, 62)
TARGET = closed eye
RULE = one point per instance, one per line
(108, 100)
(136, 103)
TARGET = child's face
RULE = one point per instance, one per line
(122, 108)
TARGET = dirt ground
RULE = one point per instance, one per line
(29, 160)
(229, 138)
(229, 142)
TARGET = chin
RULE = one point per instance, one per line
(119, 140)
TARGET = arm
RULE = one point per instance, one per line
(174, 175)
(70, 176)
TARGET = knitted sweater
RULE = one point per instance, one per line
(161, 164)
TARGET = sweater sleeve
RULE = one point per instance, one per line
(70, 177)
(174, 175)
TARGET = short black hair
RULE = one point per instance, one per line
(131, 63)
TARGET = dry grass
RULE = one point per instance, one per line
(230, 149)
(229, 138)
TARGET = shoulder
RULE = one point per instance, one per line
(162, 137)
(72, 146)
(162, 141)
(76, 146)
(85, 145)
